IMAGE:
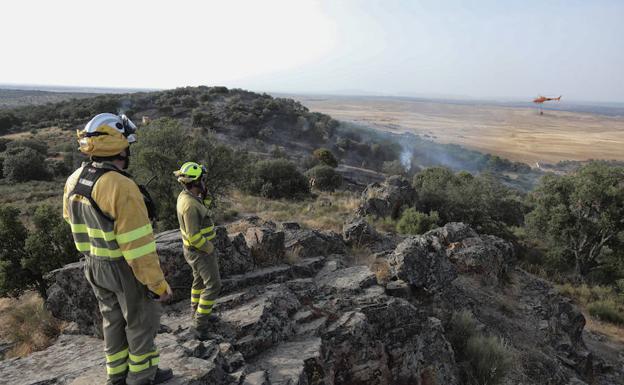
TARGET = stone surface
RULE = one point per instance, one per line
(418, 262)
(266, 245)
(321, 321)
(353, 278)
(387, 199)
(303, 243)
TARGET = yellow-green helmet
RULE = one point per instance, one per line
(190, 172)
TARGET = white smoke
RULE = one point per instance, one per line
(406, 158)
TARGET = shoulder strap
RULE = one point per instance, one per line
(86, 182)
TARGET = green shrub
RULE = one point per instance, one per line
(37, 145)
(414, 222)
(22, 164)
(462, 327)
(489, 360)
(3, 143)
(49, 246)
(8, 120)
(324, 178)
(394, 167)
(164, 146)
(608, 311)
(326, 157)
(277, 179)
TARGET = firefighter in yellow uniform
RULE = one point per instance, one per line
(110, 226)
(198, 231)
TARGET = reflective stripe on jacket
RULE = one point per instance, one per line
(196, 226)
(129, 235)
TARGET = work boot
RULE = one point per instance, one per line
(162, 375)
(201, 335)
(116, 381)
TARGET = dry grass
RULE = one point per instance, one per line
(600, 302)
(25, 323)
(327, 212)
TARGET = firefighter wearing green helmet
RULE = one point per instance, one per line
(198, 231)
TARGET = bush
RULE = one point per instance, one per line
(481, 201)
(23, 164)
(49, 246)
(28, 325)
(7, 121)
(226, 167)
(326, 157)
(12, 238)
(607, 311)
(324, 178)
(489, 360)
(462, 327)
(414, 222)
(37, 145)
(394, 167)
(3, 143)
(277, 179)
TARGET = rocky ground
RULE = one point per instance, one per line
(321, 319)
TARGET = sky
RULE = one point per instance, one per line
(497, 50)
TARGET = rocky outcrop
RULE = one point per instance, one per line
(266, 244)
(387, 199)
(357, 232)
(303, 243)
(321, 321)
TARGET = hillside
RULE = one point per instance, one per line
(263, 125)
(447, 307)
(10, 98)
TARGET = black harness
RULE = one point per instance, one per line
(91, 174)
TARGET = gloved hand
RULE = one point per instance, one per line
(166, 296)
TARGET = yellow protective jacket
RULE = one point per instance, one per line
(128, 235)
(196, 225)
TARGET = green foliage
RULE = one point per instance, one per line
(324, 178)
(608, 311)
(489, 360)
(486, 360)
(481, 201)
(37, 145)
(394, 167)
(22, 164)
(414, 222)
(25, 257)
(578, 216)
(602, 302)
(463, 326)
(12, 239)
(3, 143)
(326, 157)
(164, 146)
(8, 120)
(277, 179)
(48, 246)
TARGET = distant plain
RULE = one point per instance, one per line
(515, 132)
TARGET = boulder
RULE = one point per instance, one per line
(418, 262)
(357, 232)
(486, 255)
(303, 243)
(266, 245)
(387, 199)
(264, 321)
(351, 279)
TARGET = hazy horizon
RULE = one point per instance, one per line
(483, 50)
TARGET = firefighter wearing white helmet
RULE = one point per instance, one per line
(198, 231)
(111, 228)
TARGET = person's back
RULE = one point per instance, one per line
(110, 226)
(197, 230)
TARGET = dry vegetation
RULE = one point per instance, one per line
(327, 211)
(26, 325)
(519, 134)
